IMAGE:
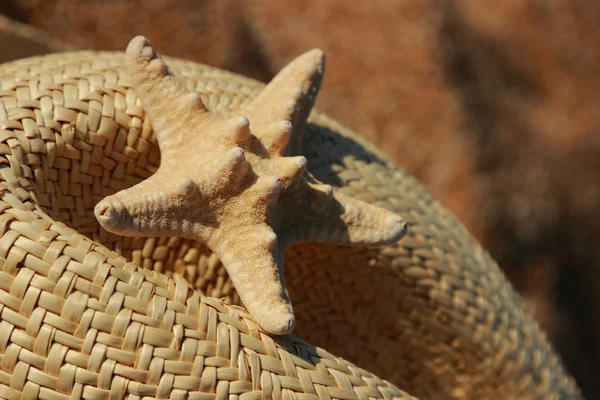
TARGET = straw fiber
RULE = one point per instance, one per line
(432, 314)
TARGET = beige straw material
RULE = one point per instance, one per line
(78, 320)
(432, 314)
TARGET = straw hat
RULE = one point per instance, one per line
(80, 318)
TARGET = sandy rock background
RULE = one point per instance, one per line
(493, 105)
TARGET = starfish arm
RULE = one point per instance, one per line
(290, 96)
(152, 208)
(255, 267)
(170, 106)
(327, 216)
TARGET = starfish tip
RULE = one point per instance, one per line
(102, 210)
(107, 214)
(316, 56)
(187, 186)
(239, 128)
(242, 121)
(285, 126)
(294, 167)
(137, 45)
(235, 162)
(237, 153)
(271, 240)
(278, 323)
(301, 161)
(278, 135)
(397, 227)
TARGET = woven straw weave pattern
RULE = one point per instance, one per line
(432, 314)
(79, 321)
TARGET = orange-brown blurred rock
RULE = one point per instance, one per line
(492, 104)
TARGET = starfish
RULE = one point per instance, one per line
(226, 180)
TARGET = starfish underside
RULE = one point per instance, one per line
(227, 180)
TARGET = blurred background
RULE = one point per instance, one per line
(493, 104)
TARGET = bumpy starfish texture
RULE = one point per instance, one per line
(224, 181)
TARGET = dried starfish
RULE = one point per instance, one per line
(227, 183)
